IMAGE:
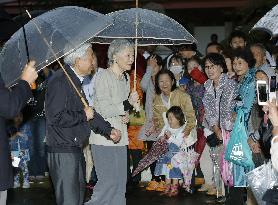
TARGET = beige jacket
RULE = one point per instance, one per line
(109, 93)
(177, 98)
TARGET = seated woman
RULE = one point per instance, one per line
(167, 95)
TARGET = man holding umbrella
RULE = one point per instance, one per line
(12, 101)
(68, 126)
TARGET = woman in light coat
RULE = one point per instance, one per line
(113, 101)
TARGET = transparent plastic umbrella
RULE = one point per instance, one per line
(64, 28)
(149, 27)
(269, 22)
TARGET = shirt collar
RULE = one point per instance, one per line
(79, 77)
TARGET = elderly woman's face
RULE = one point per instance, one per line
(86, 64)
(213, 71)
(165, 83)
(240, 66)
(125, 58)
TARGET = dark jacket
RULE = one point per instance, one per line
(66, 123)
(11, 102)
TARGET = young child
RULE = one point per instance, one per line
(19, 145)
(173, 133)
(183, 83)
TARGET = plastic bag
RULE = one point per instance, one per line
(238, 150)
(261, 179)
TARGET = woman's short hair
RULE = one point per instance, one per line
(246, 55)
(78, 53)
(170, 74)
(178, 113)
(117, 46)
(217, 59)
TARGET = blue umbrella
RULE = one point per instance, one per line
(65, 28)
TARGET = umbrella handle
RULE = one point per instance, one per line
(59, 62)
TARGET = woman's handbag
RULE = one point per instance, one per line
(238, 150)
(213, 141)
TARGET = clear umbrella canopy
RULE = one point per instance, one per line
(149, 27)
(65, 28)
(269, 22)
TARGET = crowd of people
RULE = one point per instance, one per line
(189, 101)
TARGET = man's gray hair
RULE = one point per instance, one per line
(117, 46)
(78, 53)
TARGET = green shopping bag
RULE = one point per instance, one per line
(238, 150)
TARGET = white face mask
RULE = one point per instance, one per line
(176, 69)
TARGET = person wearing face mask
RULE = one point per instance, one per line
(176, 67)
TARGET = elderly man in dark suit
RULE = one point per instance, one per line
(68, 126)
(12, 101)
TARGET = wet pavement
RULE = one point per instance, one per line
(42, 194)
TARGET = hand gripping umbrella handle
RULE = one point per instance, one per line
(59, 62)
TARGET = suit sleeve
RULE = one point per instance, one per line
(100, 126)
(56, 100)
(13, 100)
